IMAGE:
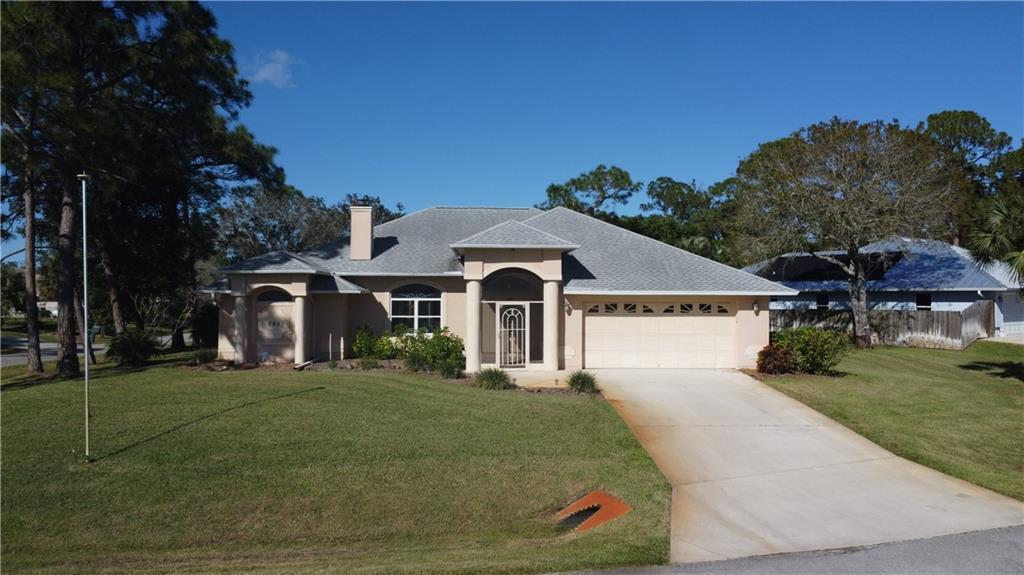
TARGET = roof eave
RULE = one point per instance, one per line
(585, 291)
(459, 248)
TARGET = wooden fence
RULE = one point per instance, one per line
(914, 328)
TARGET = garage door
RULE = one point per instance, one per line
(635, 334)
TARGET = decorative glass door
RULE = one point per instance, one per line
(513, 335)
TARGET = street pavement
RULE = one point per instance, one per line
(991, 552)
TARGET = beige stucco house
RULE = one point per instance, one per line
(525, 289)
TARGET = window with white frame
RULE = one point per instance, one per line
(416, 307)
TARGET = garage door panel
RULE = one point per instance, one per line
(665, 339)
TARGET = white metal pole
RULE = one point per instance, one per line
(85, 309)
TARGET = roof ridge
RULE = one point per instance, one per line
(515, 223)
(655, 241)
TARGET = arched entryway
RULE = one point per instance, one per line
(275, 327)
(512, 319)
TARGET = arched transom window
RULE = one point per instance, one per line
(416, 306)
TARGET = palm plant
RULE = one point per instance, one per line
(1000, 234)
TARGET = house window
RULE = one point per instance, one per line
(821, 301)
(416, 307)
(923, 301)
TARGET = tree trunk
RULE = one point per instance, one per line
(83, 329)
(178, 338)
(35, 360)
(67, 352)
(116, 309)
(859, 303)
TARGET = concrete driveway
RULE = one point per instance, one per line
(756, 473)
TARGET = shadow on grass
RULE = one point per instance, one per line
(1003, 369)
(181, 426)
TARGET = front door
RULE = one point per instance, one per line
(513, 338)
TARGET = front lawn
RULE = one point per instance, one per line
(16, 327)
(961, 412)
(327, 472)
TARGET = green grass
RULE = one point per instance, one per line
(961, 412)
(326, 472)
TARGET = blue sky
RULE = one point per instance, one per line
(487, 104)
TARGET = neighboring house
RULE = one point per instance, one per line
(52, 307)
(523, 287)
(903, 275)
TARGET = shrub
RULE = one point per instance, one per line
(445, 353)
(333, 364)
(132, 348)
(384, 348)
(582, 382)
(369, 363)
(775, 359)
(493, 378)
(204, 355)
(205, 324)
(814, 350)
(412, 351)
(363, 344)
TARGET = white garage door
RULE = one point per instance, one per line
(633, 334)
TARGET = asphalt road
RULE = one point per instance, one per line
(996, 551)
(19, 356)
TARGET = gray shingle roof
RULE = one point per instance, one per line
(513, 234)
(917, 265)
(333, 284)
(612, 259)
(223, 285)
(273, 262)
(418, 243)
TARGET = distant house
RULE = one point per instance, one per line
(49, 306)
(902, 275)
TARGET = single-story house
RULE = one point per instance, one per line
(903, 274)
(524, 288)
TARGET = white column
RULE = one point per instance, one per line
(473, 326)
(240, 329)
(299, 317)
(551, 311)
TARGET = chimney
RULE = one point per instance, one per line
(361, 232)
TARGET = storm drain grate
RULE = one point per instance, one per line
(591, 510)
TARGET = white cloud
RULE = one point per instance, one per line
(274, 68)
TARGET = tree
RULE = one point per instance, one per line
(999, 236)
(12, 288)
(591, 192)
(145, 97)
(974, 147)
(260, 220)
(841, 185)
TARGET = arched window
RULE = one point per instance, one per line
(416, 306)
(274, 295)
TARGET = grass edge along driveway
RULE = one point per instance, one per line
(281, 471)
(960, 412)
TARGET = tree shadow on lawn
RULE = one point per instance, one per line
(101, 370)
(181, 426)
(1001, 369)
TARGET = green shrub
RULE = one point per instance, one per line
(412, 351)
(204, 355)
(132, 348)
(775, 359)
(445, 353)
(363, 344)
(369, 363)
(582, 382)
(814, 350)
(384, 348)
(493, 378)
(333, 364)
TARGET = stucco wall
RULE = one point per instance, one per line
(545, 264)
(329, 317)
(226, 327)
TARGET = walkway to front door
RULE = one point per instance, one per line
(755, 472)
